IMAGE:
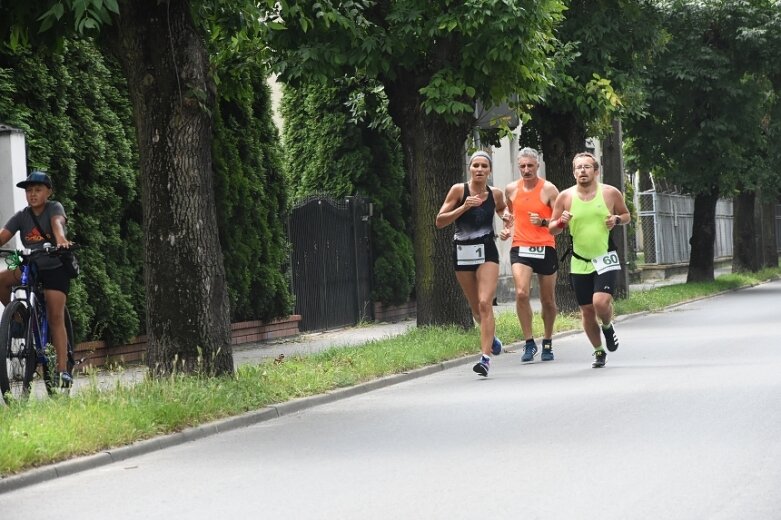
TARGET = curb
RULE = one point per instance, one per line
(76, 465)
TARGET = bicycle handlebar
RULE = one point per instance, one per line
(48, 250)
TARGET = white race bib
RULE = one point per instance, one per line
(607, 262)
(470, 254)
(532, 252)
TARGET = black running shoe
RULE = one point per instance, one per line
(482, 366)
(599, 358)
(611, 340)
(547, 350)
(17, 327)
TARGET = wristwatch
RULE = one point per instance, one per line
(617, 220)
(543, 222)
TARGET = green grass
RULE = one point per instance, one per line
(43, 431)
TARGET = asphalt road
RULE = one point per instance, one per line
(684, 422)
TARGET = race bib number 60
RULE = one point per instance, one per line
(607, 262)
(470, 254)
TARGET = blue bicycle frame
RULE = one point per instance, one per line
(40, 325)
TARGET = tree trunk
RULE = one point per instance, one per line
(561, 137)
(644, 182)
(703, 238)
(769, 238)
(613, 174)
(166, 64)
(746, 248)
(434, 158)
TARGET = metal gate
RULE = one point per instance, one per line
(331, 262)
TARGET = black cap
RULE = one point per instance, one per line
(36, 177)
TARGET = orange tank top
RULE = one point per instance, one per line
(524, 202)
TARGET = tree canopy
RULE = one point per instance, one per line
(435, 60)
(710, 103)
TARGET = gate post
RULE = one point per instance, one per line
(13, 169)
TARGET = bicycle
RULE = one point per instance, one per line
(24, 331)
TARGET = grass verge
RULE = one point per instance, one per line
(44, 431)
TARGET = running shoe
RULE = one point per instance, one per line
(482, 366)
(529, 350)
(496, 347)
(17, 326)
(547, 350)
(599, 358)
(17, 329)
(66, 380)
(611, 340)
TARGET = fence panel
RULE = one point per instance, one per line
(666, 222)
(330, 262)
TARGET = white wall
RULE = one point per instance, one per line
(13, 169)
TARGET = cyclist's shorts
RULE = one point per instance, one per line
(55, 279)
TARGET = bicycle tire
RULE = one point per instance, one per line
(49, 378)
(17, 354)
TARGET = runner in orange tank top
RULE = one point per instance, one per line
(530, 204)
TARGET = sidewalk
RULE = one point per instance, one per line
(252, 353)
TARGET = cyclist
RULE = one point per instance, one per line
(50, 227)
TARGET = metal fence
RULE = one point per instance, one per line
(666, 226)
(330, 260)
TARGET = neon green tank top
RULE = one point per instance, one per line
(588, 230)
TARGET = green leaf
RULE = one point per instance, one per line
(112, 6)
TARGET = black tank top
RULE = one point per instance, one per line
(476, 222)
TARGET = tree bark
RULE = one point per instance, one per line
(769, 238)
(613, 174)
(561, 137)
(746, 247)
(166, 64)
(703, 237)
(434, 157)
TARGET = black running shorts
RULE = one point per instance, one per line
(545, 266)
(491, 252)
(585, 285)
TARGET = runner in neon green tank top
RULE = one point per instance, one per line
(591, 210)
(588, 225)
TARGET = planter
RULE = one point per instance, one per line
(394, 313)
(98, 353)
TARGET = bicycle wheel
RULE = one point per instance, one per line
(17, 352)
(50, 371)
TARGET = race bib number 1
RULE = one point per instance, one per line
(607, 262)
(470, 254)
(532, 252)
